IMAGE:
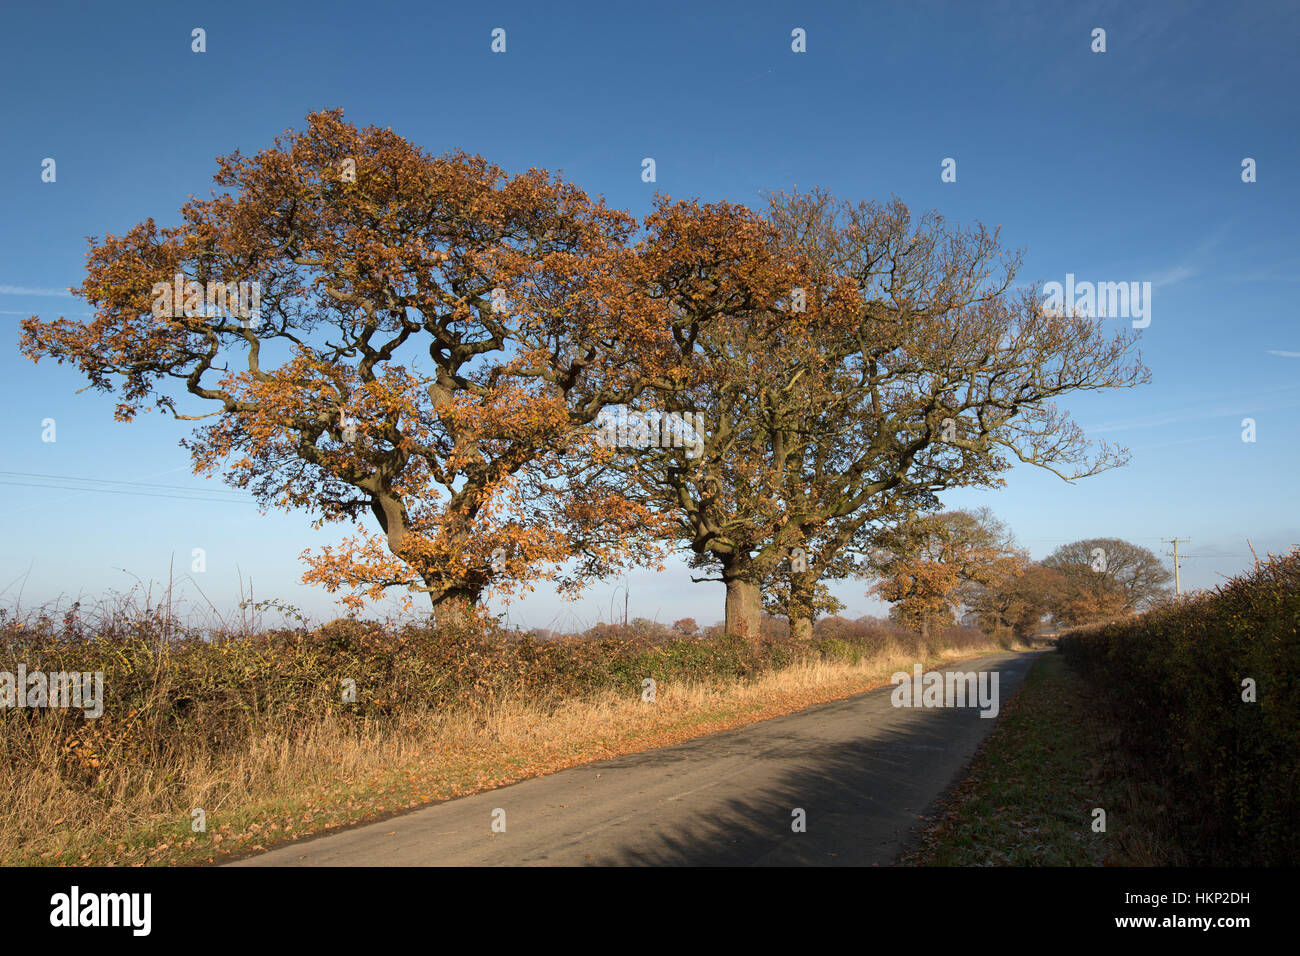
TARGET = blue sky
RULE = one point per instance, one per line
(1115, 166)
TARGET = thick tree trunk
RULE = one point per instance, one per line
(800, 609)
(744, 608)
(455, 609)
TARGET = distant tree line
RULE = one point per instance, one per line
(937, 569)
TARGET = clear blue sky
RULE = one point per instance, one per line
(1115, 166)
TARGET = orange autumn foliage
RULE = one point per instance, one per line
(434, 338)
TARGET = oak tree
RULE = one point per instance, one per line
(1101, 578)
(871, 361)
(433, 338)
(929, 564)
(716, 269)
(1015, 601)
(939, 375)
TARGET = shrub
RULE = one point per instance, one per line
(172, 692)
(1174, 680)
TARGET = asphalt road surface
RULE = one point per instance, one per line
(862, 770)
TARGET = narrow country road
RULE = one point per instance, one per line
(861, 769)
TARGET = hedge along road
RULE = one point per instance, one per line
(862, 771)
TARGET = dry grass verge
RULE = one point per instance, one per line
(1029, 795)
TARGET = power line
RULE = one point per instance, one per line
(116, 491)
(133, 484)
(198, 495)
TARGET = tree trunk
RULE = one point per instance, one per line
(455, 609)
(800, 609)
(744, 609)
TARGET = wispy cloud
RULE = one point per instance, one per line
(1263, 277)
(1199, 256)
(1171, 276)
(1221, 406)
(1180, 441)
(1284, 354)
(28, 290)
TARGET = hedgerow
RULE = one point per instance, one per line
(169, 692)
(1179, 682)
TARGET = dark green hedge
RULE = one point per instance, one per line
(1174, 678)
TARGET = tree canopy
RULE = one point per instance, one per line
(430, 346)
(444, 330)
(1105, 577)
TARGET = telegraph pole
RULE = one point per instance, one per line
(1178, 581)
